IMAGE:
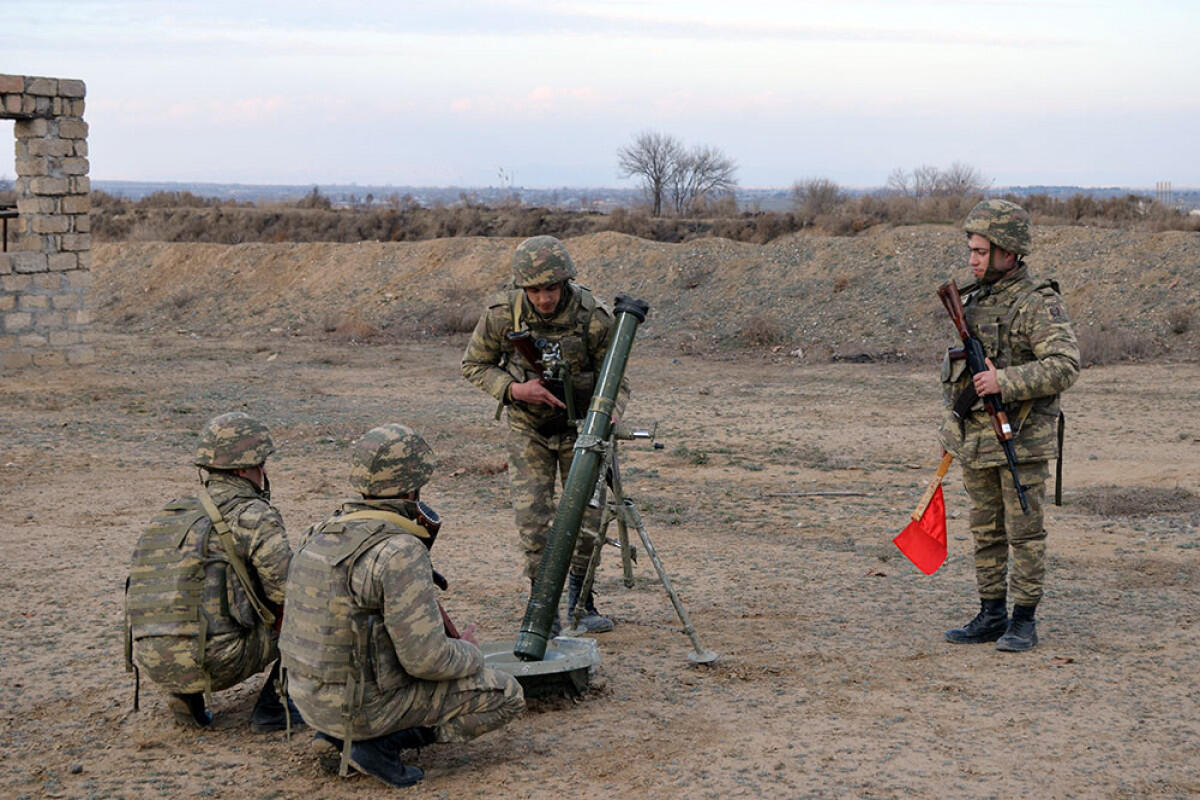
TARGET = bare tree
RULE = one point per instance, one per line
(701, 174)
(814, 196)
(925, 180)
(900, 182)
(653, 157)
(960, 180)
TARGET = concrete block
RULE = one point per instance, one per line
(33, 166)
(15, 359)
(62, 262)
(89, 336)
(30, 261)
(28, 104)
(31, 128)
(8, 302)
(17, 321)
(16, 283)
(80, 184)
(12, 83)
(63, 338)
(48, 281)
(50, 223)
(73, 108)
(31, 204)
(49, 358)
(68, 301)
(79, 317)
(49, 320)
(12, 103)
(32, 302)
(32, 339)
(51, 147)
(84, 354)
(74, 166)
(5, 264)
(85, 259)
(73, 242)
(71, 88)
(42, 86)
(78, 279)
(46, 106)
(81, 223)
(76, 204)
(72, 128)
(81, 147)
(52, 186)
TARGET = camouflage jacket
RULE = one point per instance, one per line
(1024, 329)
(582, 325)
(160, 641)
(362, 621)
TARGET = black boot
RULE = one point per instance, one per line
(1022, 631)
(590, 620)
(988, 626)
(269, 715)
(379, 758)
(413, 738)
(189, 710)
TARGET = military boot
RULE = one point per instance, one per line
(988, 626)
(189, 710)
(379, 758)
(590, 620)
(1022, 631)
(269, 714)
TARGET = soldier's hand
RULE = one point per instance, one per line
(534, 393)
(467, 634)
(987, 382)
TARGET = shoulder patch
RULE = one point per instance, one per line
(1056, 312)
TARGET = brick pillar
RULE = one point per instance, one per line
(44, 277)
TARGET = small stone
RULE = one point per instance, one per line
(76, 769)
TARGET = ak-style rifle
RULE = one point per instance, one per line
(972, 351)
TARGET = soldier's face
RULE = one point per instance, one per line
(544, 298)
(981, 254)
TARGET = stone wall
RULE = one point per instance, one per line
(44, 276)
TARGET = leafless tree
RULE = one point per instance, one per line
(814, 196)
(701, 174)
(960, 180)
(653, 157)
(925, 179)
(900, 182)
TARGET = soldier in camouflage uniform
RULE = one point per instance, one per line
(1033, 357)
(544, 300)
(371, 660)
(199, 619)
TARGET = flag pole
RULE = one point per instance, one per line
(923, 503)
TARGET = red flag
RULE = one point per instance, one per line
(923, 541)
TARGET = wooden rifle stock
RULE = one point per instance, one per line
(972, 350)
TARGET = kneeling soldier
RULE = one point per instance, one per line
(371, 660)
(207, 579)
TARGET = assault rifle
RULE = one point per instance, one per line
(972, 351)
(546, 357)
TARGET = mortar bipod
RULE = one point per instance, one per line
(609, 496)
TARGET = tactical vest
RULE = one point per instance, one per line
(326, 635)
(573, 338)
(179, 593)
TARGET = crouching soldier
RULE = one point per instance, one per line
(206, 584)
(370, 658)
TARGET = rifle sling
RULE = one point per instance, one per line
(235, 561)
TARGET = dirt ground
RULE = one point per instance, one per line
(833, 679)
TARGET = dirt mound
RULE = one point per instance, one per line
(865, 298)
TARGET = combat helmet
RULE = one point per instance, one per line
(390, 461)
(233, 441)
(1002, 223)
(540, 261)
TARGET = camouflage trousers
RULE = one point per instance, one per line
(535, 462)
(999, 527)
(458, 710)
(229, 659)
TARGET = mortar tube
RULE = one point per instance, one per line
(581, 482)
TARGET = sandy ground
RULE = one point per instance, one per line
(833, 679)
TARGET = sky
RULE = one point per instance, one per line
(495, 92)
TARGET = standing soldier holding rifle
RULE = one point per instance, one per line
(1000, 416)
(536, 349)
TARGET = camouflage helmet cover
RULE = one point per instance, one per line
(390, 461)
(541, 260)
(1002, 223)
(234, 441)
